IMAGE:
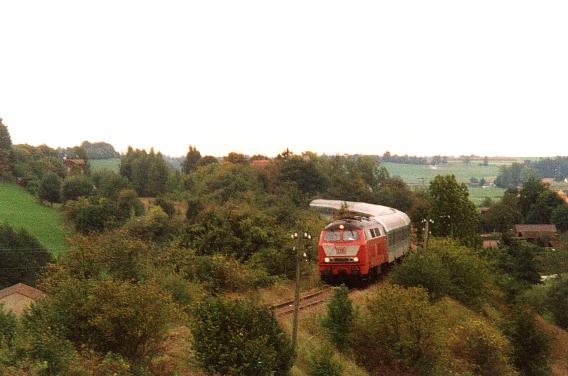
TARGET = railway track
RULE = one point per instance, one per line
(307, 299)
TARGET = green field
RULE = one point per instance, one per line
(105, 164)
(420, 176)
(18, 208)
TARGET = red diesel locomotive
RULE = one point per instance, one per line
(359, 246)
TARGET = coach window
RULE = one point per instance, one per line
(350, 235)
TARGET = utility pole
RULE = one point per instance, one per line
(426, 231)
(299, 253)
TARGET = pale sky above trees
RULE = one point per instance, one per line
(416, 77)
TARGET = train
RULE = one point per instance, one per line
(360, 243)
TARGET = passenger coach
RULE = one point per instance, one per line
(359, 245)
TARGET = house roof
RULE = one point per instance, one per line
(22, 289)
(79, 162)
(535, 228)
(260, 163)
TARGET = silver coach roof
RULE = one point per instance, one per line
(390, 218)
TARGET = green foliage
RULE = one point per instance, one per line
(236, 158)
(50, 188)
(396, 333)
(531, 344)
(481, 348)
(191, 160)
(153, 225)
(21, 257)
(76, 186)
(502, 215)
(108, 183)
(452, 212)
(237, 337)
(446, 268)
(41, 341)
(322, 363)
(340, 314)
(148, 172)
(128, 204)
(123, 317)
(518, 260)
(5, 152)
(99, 150)
(7, 327)
(32, 163)
(559, 217)
(91, 215)
(546, 203)
(558, 302)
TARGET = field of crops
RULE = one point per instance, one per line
(105, 164)
(421, 175)
(18, 208)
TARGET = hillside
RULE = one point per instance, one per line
(421, 175)
(20, 209)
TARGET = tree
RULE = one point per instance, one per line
(446, 268)
(339, 316)
(238, 337)
(451, 210)
(541, 211)
(322, 363)
(207, 160)
(502, 215)
(531, 344)
(558, 302)
(401, 325)
(22, 257)
(5, 151)
(50, 188)
(191, 160)
(236, 158)
(485, 161)
(75, 187)
(560, 217)
(118, 316)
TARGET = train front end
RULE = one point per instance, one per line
(341, 252)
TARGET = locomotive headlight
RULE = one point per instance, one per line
(355, 259)
(326, 259)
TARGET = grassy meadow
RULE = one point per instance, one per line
(19, 208)
(421, 175)
(105, 164)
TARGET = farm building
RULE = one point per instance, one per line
(537, 233)
(75, 165)
(18, 297)
(260, 163)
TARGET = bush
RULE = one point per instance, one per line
(321, 363)
(20, 248)
(558, 302)
(482, 348)
(49, 188)
(531, 344)
(76, 186)
(7, 326)
(447, 268)
(339, 316)
(129, 204)
(94, 215)
(401, 325)
(238, 337)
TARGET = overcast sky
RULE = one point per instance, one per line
(418, 77)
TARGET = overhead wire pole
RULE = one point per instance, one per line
(298, 250)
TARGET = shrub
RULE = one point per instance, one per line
(94, 215)
(401, 325)
(558, 302)
(22, 257)
(339, 316)
(76, 186)
(238, 337)
(129, 204)
(531, 344)
(321, 363)
(49, 188)
(447, 268)
(7, 326)
(483, 349)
